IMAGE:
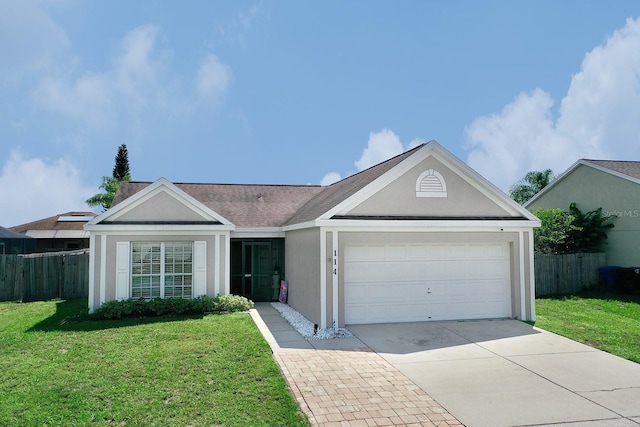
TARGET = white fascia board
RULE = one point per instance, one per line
(430, 225)
(256, 233)
(157, 228)
(300, 226)
(482, 184)
(381, 182)
(161, 184)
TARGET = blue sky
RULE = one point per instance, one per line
(284, 92)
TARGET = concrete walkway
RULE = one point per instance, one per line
(483, 373)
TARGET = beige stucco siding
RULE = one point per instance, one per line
(591, 189)
(302, 252)
(161, 207)
(520, 274)
(399, 197)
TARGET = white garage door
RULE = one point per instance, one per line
(406, 283)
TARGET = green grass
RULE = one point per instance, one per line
(57, 368)
(604, 320)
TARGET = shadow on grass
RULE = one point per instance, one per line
(72, 315)
(603, 294)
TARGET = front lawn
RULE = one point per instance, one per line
(214, 370)
(604, 320)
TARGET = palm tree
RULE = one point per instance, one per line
(530, 185)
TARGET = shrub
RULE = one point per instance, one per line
(137, 307)
(231, 303)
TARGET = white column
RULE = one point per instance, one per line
(217, 266)
(103, 267)
(92, 273)
(323, 278)
(523, 306)
(227, 263)
(335, 275)
(532, 278)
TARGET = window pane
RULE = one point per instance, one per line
(178, 269)
(145, 270)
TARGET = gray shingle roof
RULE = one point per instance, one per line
(241, 204)
(342, 190)
(631, 168)
(279, 205)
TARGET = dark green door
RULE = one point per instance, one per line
(252, 268)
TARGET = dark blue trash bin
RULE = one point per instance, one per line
(609, 275)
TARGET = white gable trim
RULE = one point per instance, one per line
(572, 168)
(433, 149)
(162, 185)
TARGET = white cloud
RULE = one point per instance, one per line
(416, 142)
(30, 41)
(330, 178)
(381, 146)
(139, 83)
(137, 67)
(213, 76)
(598, 118)
(233, 33)
(32, 189)
(87, 99)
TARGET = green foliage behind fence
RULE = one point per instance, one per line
(40, 277)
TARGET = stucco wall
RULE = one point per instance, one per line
(399, 197)
(592, 189)
(302, 252)
(158, 208)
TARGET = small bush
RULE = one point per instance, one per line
(232, 303)
(137, 307)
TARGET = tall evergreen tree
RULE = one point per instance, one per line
(110, 184)
(121, 169)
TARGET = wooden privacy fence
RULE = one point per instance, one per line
(40, 277)
(566, 274)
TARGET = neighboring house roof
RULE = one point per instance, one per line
(67, 225)
(631, 168)
(625, 169)
(5, 233)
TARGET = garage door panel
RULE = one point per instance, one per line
(426, 282)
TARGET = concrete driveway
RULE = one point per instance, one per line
(508, 373)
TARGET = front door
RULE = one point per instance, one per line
(252, 268)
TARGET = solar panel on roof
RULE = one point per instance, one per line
(75, 218)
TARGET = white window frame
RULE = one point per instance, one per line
(163, 275)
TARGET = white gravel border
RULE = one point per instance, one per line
(305, 327)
